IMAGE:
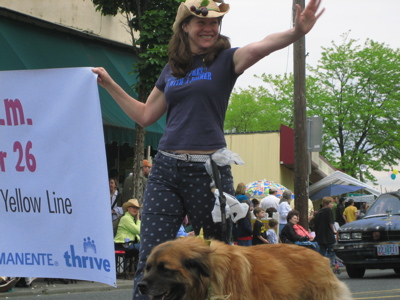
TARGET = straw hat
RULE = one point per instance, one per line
(129, 203)
(212, 10)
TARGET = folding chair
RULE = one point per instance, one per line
(125, 260)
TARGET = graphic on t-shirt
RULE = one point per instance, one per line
(196, 74)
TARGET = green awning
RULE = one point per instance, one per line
(30, 43)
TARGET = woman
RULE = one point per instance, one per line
(240, 193)
(284, 208)
(293, 233)
(194, 90)
(129, 226)
(115, 199)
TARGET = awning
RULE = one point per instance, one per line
(335, 190)
(30, 43)
(340, 178)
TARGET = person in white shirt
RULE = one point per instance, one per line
(115, 199)
(271, 200)
(284, 208)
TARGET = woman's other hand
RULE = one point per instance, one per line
(104, 79)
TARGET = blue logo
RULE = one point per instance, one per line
(73, 260)
(26, 259)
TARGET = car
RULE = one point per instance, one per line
(372, 242)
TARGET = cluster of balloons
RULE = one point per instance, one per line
(393, 173)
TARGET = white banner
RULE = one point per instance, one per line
(55, 219)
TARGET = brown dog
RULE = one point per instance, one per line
(188, 269)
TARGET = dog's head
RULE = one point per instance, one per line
(176, 270)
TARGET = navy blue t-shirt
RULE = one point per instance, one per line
(197, 104)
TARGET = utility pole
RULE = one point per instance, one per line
(301, 155)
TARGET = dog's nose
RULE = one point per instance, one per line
(142, 286)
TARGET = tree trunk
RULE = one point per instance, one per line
(138, 188)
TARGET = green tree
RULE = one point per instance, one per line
(261, 108)
(356, 90)
(150, 25)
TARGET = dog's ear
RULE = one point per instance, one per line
(198, 266)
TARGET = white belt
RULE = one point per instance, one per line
(187, 157)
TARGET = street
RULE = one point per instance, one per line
(376, 284)
(123, 294)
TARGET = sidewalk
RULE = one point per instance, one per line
(40, 287)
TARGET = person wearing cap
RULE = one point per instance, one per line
(193, 90)
(271, 200)
(127, 192)
(129, 225)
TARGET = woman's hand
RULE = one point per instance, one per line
(104, 79)
(306, 19)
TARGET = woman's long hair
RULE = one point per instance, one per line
(240, 189)
(180, 57)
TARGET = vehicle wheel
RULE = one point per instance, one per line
(354, 271)
(397, 270)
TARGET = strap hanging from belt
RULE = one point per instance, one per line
(222, 199)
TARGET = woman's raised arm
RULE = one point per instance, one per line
(248, 55)
(144, 114)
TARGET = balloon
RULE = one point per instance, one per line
(395, 171)
(393, 176)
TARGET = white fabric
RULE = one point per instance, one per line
(233, 209)
(222, 157)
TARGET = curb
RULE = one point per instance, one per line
(41, 287)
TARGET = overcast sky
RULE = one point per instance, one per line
(251, 20)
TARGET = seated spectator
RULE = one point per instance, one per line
(128, 232)
(292, 233)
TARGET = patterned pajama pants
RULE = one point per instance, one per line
(176, 188)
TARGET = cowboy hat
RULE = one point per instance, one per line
(210, 10)
(129, 203)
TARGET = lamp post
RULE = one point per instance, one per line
(300, 124)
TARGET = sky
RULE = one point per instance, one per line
(251, 20)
